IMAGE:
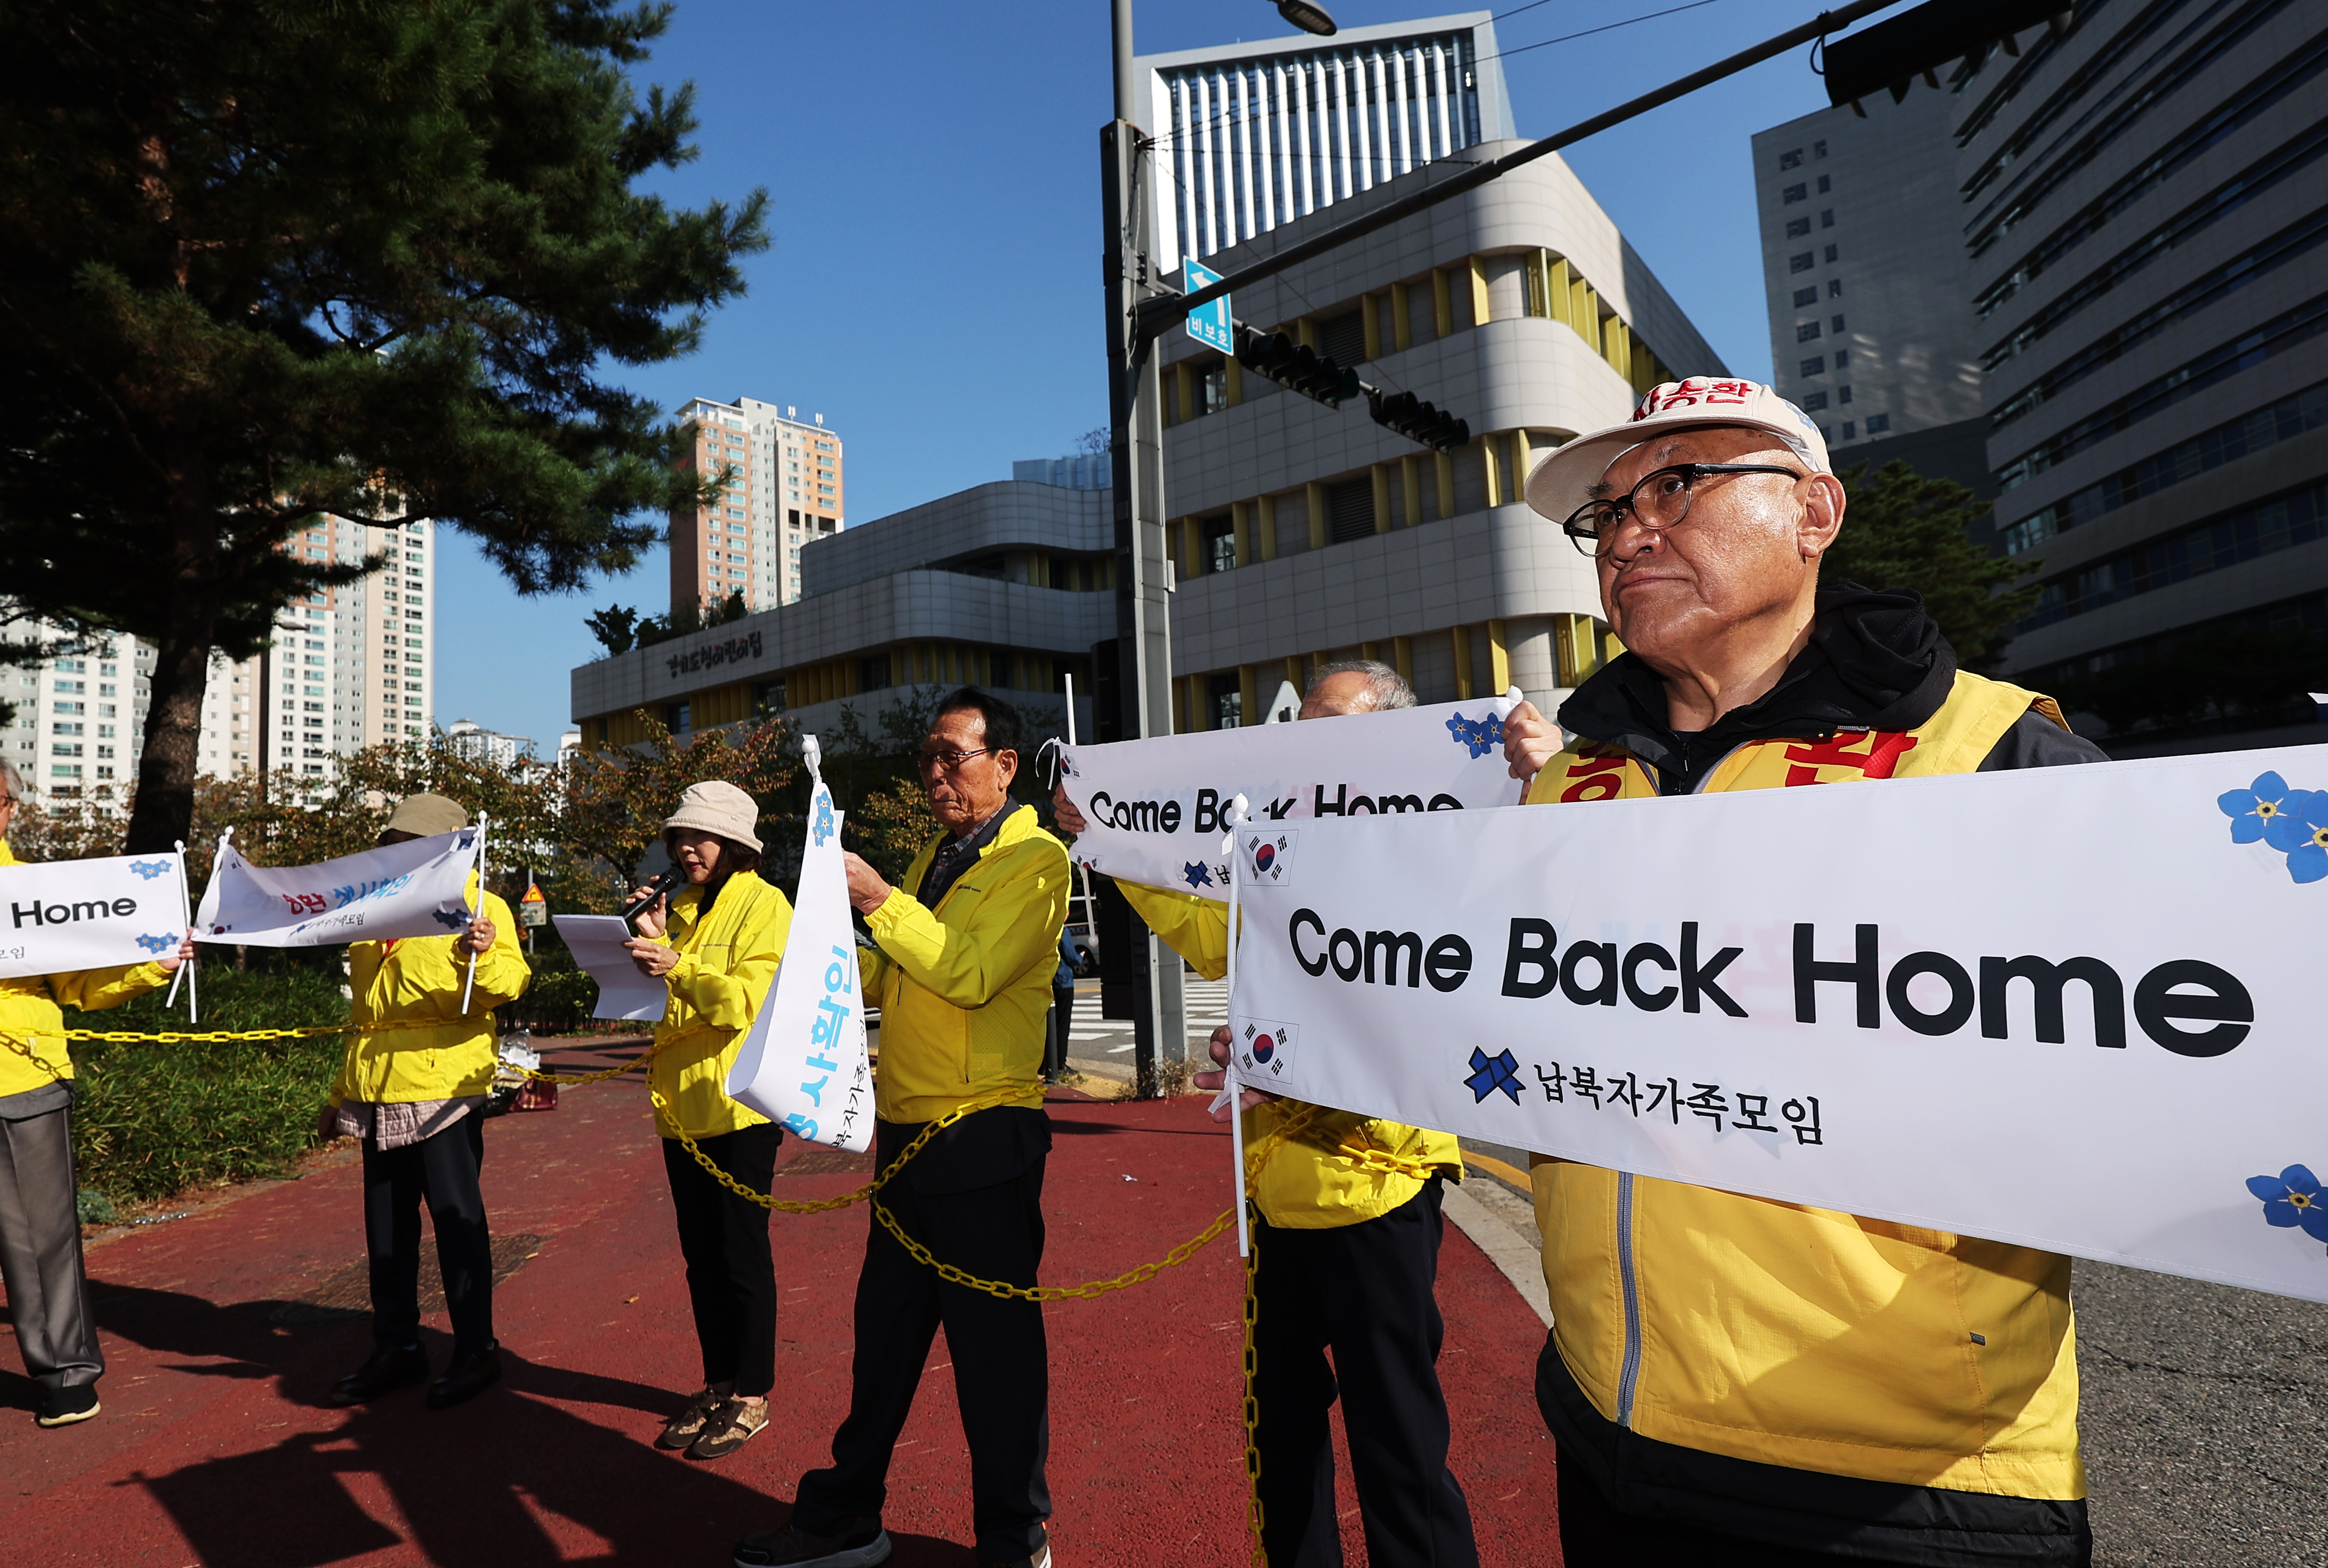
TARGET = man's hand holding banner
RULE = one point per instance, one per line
(1155, 806)
(2074, 1008)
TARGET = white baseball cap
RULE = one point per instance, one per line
(1563, 480)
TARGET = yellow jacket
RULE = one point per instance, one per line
(1805, 1336)
(726, 962)
(30, 1013)
(965, 988)
(1341, 1168)
(421, 977)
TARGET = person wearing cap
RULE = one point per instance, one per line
(415, 1096)
(716, 945)
(967, 946)
(1732, 1379)
(1345, 1257)
(40, 1222)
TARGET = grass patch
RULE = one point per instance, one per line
(150, 1120)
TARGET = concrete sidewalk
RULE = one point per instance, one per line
(224, 1329)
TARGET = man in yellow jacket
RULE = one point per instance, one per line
(40, 1224)
(416, 1098)
(963, 975)
(1346, 1257)
(1732, 1379)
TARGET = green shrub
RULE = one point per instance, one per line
(149, 1120)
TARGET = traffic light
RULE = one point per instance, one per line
(1296, 366)
(1418, 421)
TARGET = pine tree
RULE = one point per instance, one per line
(1903, 530)
(259, 261)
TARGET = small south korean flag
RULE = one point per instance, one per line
(1265, 1050)
(1268, 856)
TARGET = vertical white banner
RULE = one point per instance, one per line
(804, 1061)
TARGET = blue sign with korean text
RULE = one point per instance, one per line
(1209, 324)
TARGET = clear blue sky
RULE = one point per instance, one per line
(933, 287)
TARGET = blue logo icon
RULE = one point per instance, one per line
(823, 829)
(1198, 874)
(1482, 734)
(1490, 1073)
(2293, 1198)
(149, 869)
(157, 944)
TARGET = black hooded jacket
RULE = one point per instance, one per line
(1874, 662)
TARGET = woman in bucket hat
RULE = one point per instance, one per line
(716, 945)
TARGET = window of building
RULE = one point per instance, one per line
(1826, 219)
(1212, 388)
(1228, 701)
(1805, 331)
(1843, 394)
(1349, 509)
(1850, 430)
(767, 695)
(1807, 296)
(1802, 262)
(1841, 358)
(1819, 149)
(1216, 539)
(1835, 325)
(1797, 228)
(873, 673)
(1825, 183)
(678, 717)
(1877, 423)
(1835, 288)
(1813, 365)
(1793, 160)
(1812, 400)
(1794, 193)
(1343, 339)
(1833, 254)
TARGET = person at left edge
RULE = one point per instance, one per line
(416, 1097)
(40, 1225)
(963, 974)
(715, 947)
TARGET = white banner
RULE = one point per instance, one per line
(90, 914)
(418, 888)
(1154, 806)
(2075, 1008)
(804, 1061)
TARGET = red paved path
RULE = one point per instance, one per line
(213, 1448)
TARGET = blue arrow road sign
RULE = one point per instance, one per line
(1207, 323)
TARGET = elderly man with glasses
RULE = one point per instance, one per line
(1732, 1379)
(963, 974)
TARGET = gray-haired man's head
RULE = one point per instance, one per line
(11, 783)
(1355, 685)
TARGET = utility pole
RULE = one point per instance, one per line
(1134, 690)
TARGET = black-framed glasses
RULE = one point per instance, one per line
(1660, 501)
(951, 761)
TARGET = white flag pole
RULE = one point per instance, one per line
(216, 856)
(193, 981)
(1090, 910)
(1229, 1086)
(470, 984)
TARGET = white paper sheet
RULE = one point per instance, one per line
(597, 943)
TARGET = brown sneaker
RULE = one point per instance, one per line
(729, 1428)
(685, 1427)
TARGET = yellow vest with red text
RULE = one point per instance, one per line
(1806, 1337)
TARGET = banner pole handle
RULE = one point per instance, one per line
(193, 981)
(1229, 1085)
(1090, 910)
(470, 984)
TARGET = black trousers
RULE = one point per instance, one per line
(1002, 1374)
(731, 1274)
(39, 1253)
(1365, 1290)
(441, 1170)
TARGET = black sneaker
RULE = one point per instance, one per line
(383, 1372)
(64, 1407)
(864, 1544)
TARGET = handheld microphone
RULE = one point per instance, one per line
(663, 882)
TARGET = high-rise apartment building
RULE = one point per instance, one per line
(1251, 136)
(787, 490)
(1866, 279)
(2144, 199)
(349, 666)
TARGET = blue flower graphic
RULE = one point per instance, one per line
(149, 869)
(2299, 830)
(157, 944)
(2293, 1197)
(2253, 809)
(1482, 734)
(823, 828)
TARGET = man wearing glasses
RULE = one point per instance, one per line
(963, 974)
(1731, 1380)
